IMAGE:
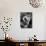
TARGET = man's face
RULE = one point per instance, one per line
(27, 19)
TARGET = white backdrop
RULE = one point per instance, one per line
(12, 8)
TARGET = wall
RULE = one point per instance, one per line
(12, 8)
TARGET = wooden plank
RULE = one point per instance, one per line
(25, 44)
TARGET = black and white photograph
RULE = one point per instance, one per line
(26, 19)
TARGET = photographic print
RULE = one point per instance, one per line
(26, 19)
